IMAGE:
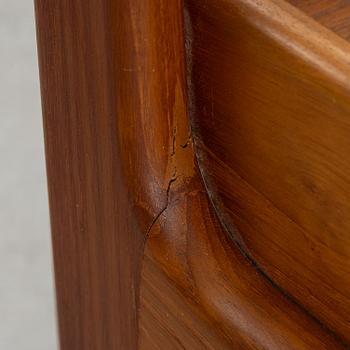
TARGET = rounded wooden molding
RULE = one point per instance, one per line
(142, 256)
(188, 244)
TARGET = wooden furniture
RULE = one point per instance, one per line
(198, 160)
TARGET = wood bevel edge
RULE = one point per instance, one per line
(297, 32)
(226, 285)
(306, 39)
(188, 244)
(166, 193)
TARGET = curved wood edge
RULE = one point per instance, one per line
(151, 99)
(190, 255)
(117, 137)
(297, 32)
(333, 14)
(322, 59)
(194, 256)
(112, 101)
(97, 240)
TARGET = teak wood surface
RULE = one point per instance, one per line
(198, 161)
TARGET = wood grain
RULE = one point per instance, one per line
(222, 301)
(96, 241)
(143, 259)
(191, 264)
(333, 14)
(271, 122)
(109, 164)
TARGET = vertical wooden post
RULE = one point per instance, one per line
(95, 239)
(111, 78)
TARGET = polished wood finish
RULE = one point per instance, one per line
(333, 14)
(176, 137)
(96, 239)
(272, 124)
(109, 76)
(220, 290)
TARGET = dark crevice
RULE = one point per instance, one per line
(229, 228)
(234, 236)
(170, 182)
(156, 218)
(189, 140)
(174, 142)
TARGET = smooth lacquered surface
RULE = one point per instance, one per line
(272, 124)
(333, 14)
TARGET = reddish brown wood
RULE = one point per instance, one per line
(96, 239)
(226, 292)
(333, 14)
(109, 75)
(143, 259)
(272, 122)
(222, 300)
